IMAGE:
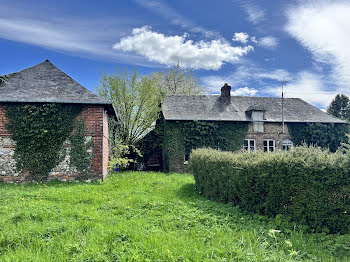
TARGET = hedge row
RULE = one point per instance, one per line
(308, 185)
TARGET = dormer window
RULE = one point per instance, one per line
(258, 124)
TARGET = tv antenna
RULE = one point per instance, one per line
(284, 82)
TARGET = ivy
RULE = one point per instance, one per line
(4, 78)
(39, 131)
(81, 153)
(323, 135)
(181, 137)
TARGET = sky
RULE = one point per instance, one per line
(251, 45)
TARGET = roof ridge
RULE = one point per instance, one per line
(47, 83)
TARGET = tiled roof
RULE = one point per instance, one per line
(213, 108)
(46, 83)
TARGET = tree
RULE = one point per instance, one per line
(178, 80)
(136, 101)
(340, 107)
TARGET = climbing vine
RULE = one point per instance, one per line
(324, 135)
(4, 78)
(182, 136)
(39, 131)
(81, 153)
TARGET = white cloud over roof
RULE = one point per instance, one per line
(322, 27)
(169, 50)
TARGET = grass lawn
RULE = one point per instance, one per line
(139, 216)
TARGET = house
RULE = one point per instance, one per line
(46, 84)
(235, 123)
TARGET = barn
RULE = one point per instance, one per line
(38, 95)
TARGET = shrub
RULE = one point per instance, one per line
(123, 156)
(309, 185)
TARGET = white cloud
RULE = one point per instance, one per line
(307, 86)
(169, 14)
(268, 42)
(277, 74)
(240, 37)
(245, 75)
(78, 37)
(244, 91)
(255, 13)
(322, 27)
(214, 83)
(253, 39)
(169, 50)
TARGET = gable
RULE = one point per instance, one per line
(45, 83)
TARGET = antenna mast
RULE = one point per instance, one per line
(283, 83)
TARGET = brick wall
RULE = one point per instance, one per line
(3, 131)
(96, 129)
(105, 148)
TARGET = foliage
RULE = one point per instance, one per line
(178, 80)
(136, 102)
(4, 78)
(81, 152)
(39, 131)
(123, 156)
(308, 185)
(183, 136)
(136, 216)
(323, 135)
(340, 107)
(153, 142)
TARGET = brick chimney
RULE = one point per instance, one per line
(225, 96)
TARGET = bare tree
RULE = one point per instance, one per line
(178, 80)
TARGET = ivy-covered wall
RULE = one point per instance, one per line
(324, 135)
(180, 137)
(58, 143)
(175, 139)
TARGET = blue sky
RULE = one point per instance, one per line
(252, 45)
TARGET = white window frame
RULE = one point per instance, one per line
(258, 124)
(268, 145)
(248, 147)
(288, 143)
(186, 159)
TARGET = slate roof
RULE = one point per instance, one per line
(46, 83)
(213, 108)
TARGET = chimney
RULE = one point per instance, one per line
(226, 90)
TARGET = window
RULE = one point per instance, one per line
(249, 145)
(258, 125)
(287, 145)
(186, 159)
(269, 145)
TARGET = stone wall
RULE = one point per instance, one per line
(96, 129)
(271, 131)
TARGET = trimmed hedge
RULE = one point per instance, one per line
(308, 185)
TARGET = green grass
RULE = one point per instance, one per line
(145, 217)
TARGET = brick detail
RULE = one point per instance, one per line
(3, 120)
(105, 147)
(96, 129)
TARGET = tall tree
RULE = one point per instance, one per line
(178, 80)
(136, 101)
(340, 107)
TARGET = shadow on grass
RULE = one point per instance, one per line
(223, 211)
(52, 183)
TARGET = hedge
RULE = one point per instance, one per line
(309, 185)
